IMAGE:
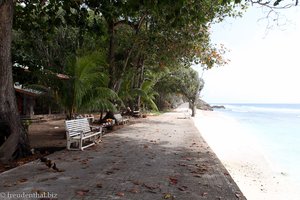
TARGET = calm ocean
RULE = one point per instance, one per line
(277, 129)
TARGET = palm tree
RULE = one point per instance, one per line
(85, 88)
(148, 95)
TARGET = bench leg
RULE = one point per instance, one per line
(68, 145)
(80, 145)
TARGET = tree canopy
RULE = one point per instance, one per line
(113, 53)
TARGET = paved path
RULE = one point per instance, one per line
(164, 157)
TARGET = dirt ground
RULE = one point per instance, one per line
(52, 134)
(47, 137)
(49, 134)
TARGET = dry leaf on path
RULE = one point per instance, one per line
(22, 180)
(168, 196)
(136, 182)
(204, 194)
(120, 194)
(82, 192)
(173, 180)
(109, 172)
(7, 185)
(134, 190)
(151, 187)
(187, 158)
(182, 188)
(238, 195)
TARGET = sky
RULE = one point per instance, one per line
(264, 63)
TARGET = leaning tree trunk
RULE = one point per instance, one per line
(17, 142)
(140, 80)
(111, 56)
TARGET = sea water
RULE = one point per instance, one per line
(277, 128)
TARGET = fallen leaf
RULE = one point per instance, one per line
(188, 158)
(168, 196)
(135, 182)
(84, 162)
(7, 185)
(182, 188)
(120, 194)
(82, 192)
(204, 194)
(173, 180)
(237, 195)
(47, 179)
(151, 187)
(152, 191)
(134, 190)
(109, 172)
(22, 180)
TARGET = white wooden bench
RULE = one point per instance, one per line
(80, 134)
(120, 119)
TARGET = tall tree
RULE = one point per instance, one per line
(17, 143)
(86, 89)
(185, 81)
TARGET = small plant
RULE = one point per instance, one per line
(26, 123)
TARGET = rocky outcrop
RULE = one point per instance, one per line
(202, 105)
(218, 107)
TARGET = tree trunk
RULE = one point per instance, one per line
(140, 66)
(193, 107)
(129, 53)
(111, 56)
(17, 143)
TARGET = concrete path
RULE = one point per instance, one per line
(163, 157)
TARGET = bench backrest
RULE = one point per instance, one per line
(75, 125)
(118, 117)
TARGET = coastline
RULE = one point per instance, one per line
(243, 157)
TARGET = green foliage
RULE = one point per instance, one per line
(184, 81)
(86, 89)
(148, 96)
(124, 45)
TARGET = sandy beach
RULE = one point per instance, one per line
(244, 158)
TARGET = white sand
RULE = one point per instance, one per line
(244, 159)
